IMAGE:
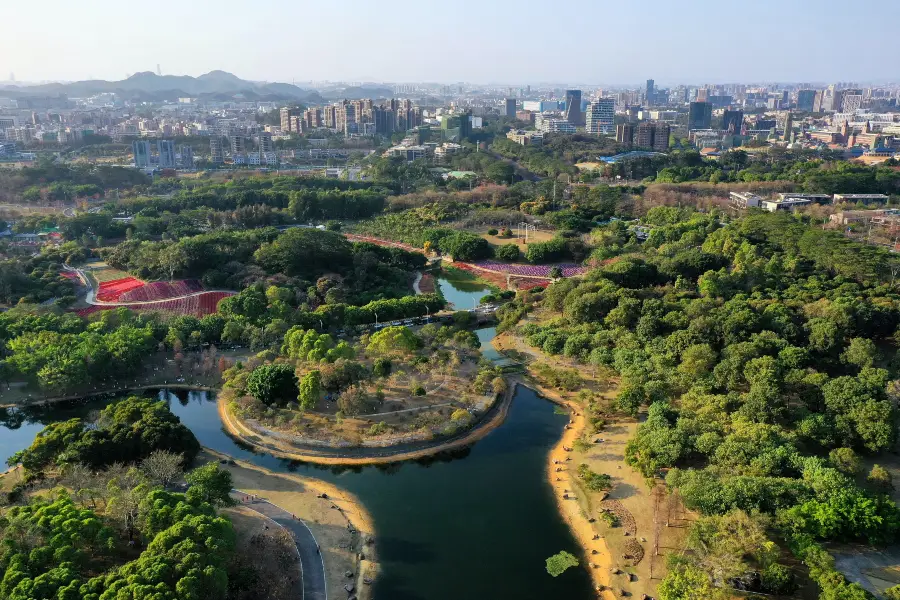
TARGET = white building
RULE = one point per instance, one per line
(600, 118)
(744, 200)
(408, 153)
(553, 124)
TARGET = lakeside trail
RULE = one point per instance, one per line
(599, 564)
(238, 430)
(337, 520)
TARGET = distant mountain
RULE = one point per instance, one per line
(357, 92)
(150, 86)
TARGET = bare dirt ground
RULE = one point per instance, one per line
(248, 523)
(328, 518)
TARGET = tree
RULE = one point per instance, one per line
(126, 492)
(687, 583)
(465, 246)
(560, 562)
(845, 460)
(209, 483)
(310, 388)
(861, 352)
(355, 401)
(880, 479)
(381, 367)
(273, 384)
(162, 467)
(394, 340)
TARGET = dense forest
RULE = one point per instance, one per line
(762, 352)
(110, 528)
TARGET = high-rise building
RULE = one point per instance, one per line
(661, 134)
(329, 117)
(166, 150)
(141, 150)
(312, 117)
(644, 136)
(187, 157)
(806, 100)
(625, 133)
(216, 156)
(851, 102)
(573, 108)
(384, 120)
(817, 102)
(788, 126)
(833, 100)
(733, 121)
(652, 135)
(601, 116)
(651, 92)
(237, 144)
(265, 142)
(286, 114)
(511, 108)
(700, 115)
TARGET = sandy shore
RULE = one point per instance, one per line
(244, 434)
(598, 564)
(328, 518)
(642, 507)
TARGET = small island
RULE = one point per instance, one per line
(397, 387)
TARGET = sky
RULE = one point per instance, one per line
(478, 41)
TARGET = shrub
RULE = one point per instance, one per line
(492, 231)
(382, 367)
(419, 390)
(610, 519)
(507, 253)
(778, 579)
(559, 563)
(378, 428)
(596, 482)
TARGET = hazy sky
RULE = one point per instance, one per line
(482, 41)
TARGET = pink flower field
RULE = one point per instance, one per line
(160, 290)
(198, 306)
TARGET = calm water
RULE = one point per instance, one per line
(473, 524)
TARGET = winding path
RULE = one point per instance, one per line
(312, 565)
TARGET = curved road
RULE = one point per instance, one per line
(312, 565)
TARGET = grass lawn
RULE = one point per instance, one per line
(533, 236)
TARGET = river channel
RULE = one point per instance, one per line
(477, 523)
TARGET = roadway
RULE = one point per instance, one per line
(312, 565)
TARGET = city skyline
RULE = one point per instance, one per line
(668, 43)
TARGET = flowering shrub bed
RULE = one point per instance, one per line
(568, 269)
(198, 306)
(161, 290)
(111, 290)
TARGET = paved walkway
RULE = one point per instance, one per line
(312, 566)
